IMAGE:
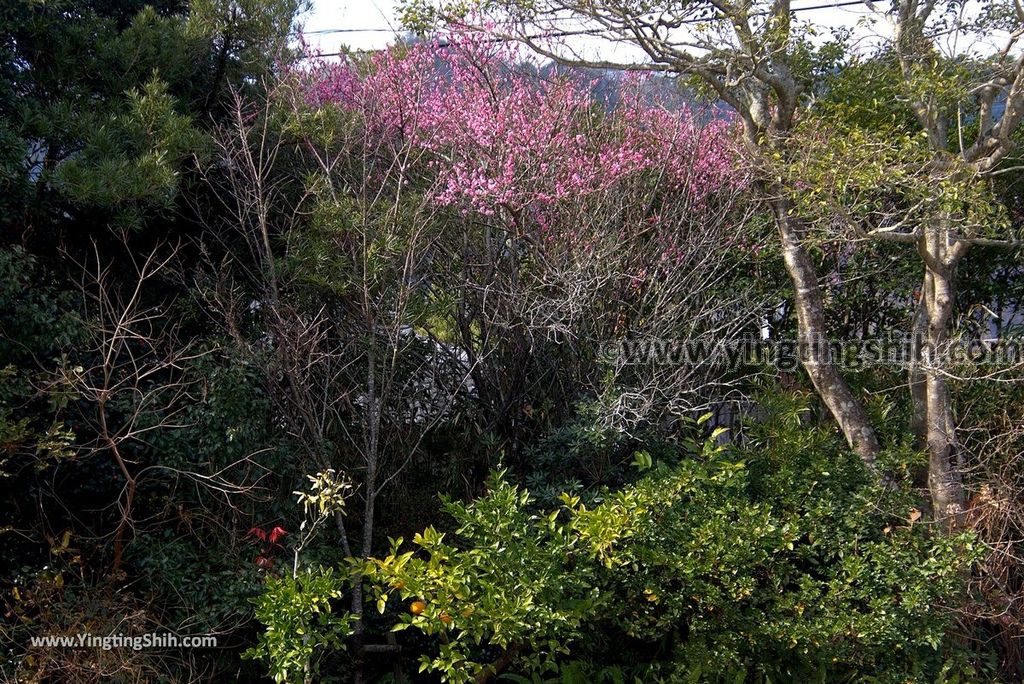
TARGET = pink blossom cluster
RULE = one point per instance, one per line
(505, 139)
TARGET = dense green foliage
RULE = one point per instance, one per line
(768, 563)
(279, 368)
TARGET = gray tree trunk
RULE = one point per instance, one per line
(915, 373)
(815, 353)
(945, 477)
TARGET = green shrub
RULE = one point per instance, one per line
(778, 560)
(301, 624)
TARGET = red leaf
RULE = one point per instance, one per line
(258, 533)
(276, 534)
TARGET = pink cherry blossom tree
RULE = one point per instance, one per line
(567, 223)
(473, 232)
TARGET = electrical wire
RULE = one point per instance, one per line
(320, 32)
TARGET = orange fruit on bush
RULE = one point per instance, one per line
(417, 607)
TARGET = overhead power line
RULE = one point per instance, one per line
(794, 10)
(560, 34)
(321, 32)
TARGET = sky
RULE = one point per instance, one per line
(373, 24)
(351, 14)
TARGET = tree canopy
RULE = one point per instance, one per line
(475, 359)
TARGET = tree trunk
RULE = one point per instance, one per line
(945, 478)
(815, 353)
(372, 447)
(915, 374)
